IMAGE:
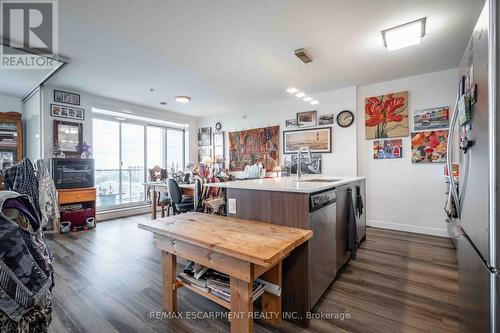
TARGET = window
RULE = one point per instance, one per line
(124, 150)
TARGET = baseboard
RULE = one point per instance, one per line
(119, 213)
(408, 228)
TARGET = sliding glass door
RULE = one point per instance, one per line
(132, 163)
(124, 151)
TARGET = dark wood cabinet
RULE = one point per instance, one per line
(11, 138)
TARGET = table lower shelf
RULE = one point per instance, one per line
(205, 294)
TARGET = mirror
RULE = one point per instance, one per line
(68, 136)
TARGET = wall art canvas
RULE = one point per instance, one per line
(319, 140)
(219, 147)
(307, 119)
(429, 119)
(313, 168)
(253, 146)
(386, 116)
(63, 111)
(291, 123)
(204, 153)
(326, 119)
(387, 149)
(66, 97)
(205, 136)
(429, 147)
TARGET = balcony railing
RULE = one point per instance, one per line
(111, 192)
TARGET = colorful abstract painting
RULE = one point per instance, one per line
(430, 119)
(253, 146)
(386, 116)
(387, 149)
(429, 147)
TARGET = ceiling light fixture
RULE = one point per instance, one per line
(307, 99)
(300, 94)
(182, 99)
(404, 35)
(292, 90)
(314, 102)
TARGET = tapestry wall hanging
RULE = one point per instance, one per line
(253, 146)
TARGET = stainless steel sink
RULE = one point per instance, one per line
(318, 180)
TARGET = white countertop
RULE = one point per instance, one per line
(288, 184)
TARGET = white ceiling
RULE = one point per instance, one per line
(229, 53)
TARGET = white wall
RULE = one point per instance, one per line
(10, 104)
(402, 195)
(342, 160)
(88, 101)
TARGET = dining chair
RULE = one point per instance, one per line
(180, 203)
(154, 174)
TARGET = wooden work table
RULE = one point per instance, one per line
(244, 250)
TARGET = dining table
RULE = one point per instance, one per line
(162, 187)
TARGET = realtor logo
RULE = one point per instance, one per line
(29, 32)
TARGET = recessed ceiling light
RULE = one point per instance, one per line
(307, 99)
(292, 90)
(163, 103)
(300, 94)
(404, 35)
(314, 102)
(183, 99)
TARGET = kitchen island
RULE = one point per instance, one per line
(317, 203)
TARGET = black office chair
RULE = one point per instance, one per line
(198, 187)
(180, 203)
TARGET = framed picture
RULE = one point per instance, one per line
(313, 168)
(429, 119)
(204, 153)
(387, 149)
(386, 116)
(291, 123)
(205, 136)
(429, 147)
(219, 147)
(66, 97)
(68, 135)
(69, 112)
(307, 119)
(319, 140)
(326, 119)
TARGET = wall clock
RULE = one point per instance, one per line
(345, 118)
(218, 126)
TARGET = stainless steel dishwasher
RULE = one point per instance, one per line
(322, 247)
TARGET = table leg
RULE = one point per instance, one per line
(271, 304)
(154, 204)
(169, 262)
(241, 306)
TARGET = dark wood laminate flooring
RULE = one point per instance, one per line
(109, 280)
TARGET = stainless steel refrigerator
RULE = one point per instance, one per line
(474, 142)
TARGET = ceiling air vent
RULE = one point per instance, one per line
(303, 55)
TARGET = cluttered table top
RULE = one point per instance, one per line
(256, 242)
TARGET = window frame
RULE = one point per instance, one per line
(145, 125)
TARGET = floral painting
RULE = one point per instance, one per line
(429, 147)
(386, 116)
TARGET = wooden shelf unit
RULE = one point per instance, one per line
(86, 196)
